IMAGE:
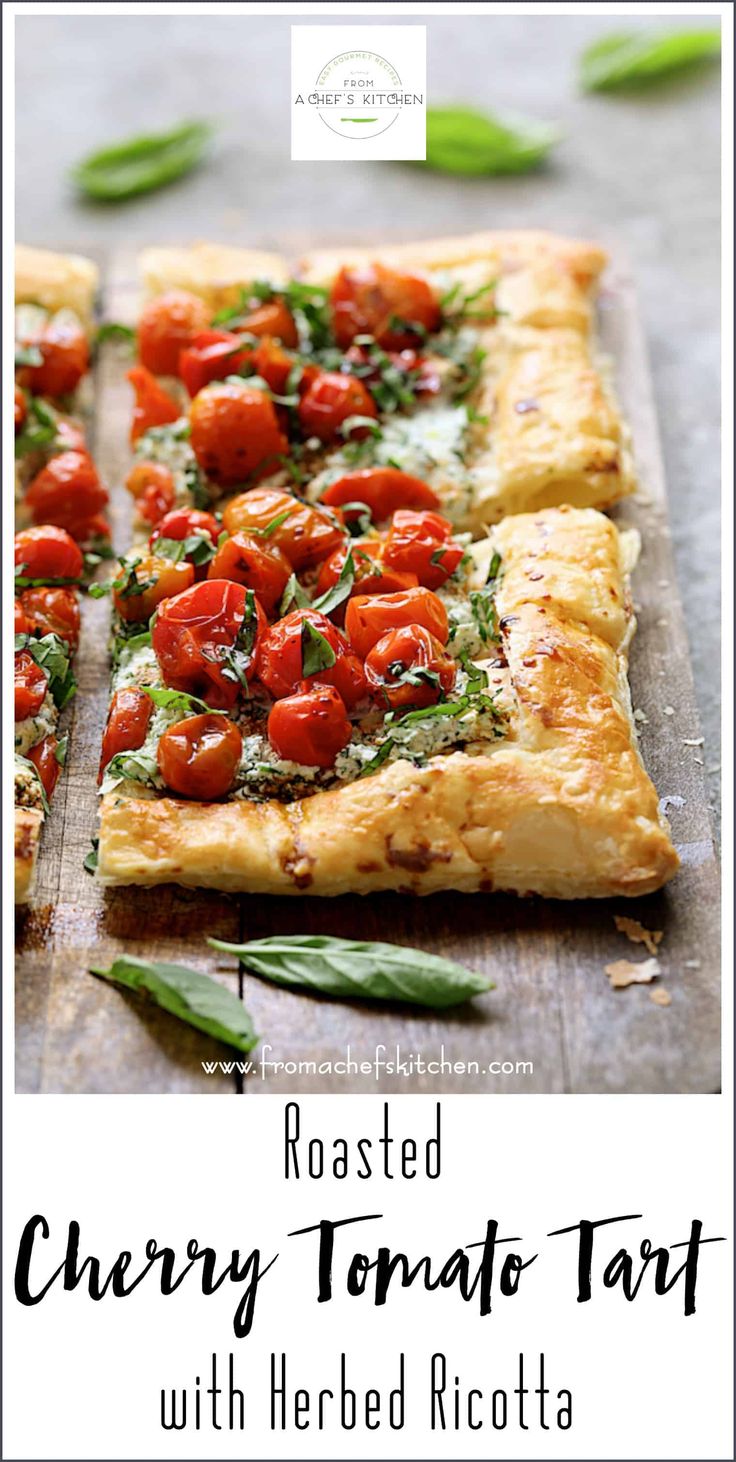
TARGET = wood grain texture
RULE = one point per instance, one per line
(552, 1006)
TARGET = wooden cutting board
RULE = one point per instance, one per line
(552, 1008)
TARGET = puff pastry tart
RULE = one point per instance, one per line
(59, 514)
(470, 363)
(329, 713)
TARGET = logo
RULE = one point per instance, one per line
(358, 92)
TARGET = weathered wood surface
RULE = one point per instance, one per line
(552, 1005)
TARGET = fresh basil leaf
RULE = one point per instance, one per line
(176, 700)
(27, 765)
(642, 57)
(28, 355)
(60, 750)
(113, 330)
(142, 163)
(317, 652)
(91, 859)
(273, 525)
(238, 658)
(128, 585)
(195, 484)
(294, 595)
(340, 590)
(359, 970)
(23, 582)
(99, 591)
(191, 996)
(40, 429)
(463, 140)
(198, 548)
(52, 655)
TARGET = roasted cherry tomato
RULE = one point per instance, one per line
(66, 491)
(53, 612)
(21, 408)
(311, 727)
(43, 756)
(372, 576)
(153, 405)
(235, 431)
(305, 534)
(260, 565)
(332, 399)
(275, 366)
(198, 757)
(382, 489)
(281, 659)
(94, 531)
(409, 667)
(22, 626)
(206, 638)
(127, 723)
(183, 523)
(422, 544)
(210, 356)
(30, 686)
(273, 318)
(377, 301)
(147, 583)
(166, 326)
(369, 617)
(152, 485)
(47, 553)
(63, 345)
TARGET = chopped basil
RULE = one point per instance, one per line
(52, 655)
(198, 548)
(131, 766)
(294, 595)
(40, 429)
(176, 700)
(340, 590)
(60, 750)
(317, 652)
(113, 330)
(238, 658)
(363, 423)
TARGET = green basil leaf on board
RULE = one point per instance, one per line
(193, 997)
(113, 330)
(637, 58)
(141, 164)
(463, 140)
(358, 970)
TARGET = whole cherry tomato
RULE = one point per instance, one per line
(206, 638)
(369, 617)
(409, 667)
(146, 583)
(30, 686)
(152, 485)
(22, 626)
(422, 544)
(65, 350)
(66, 491)
(282, 658)
(258, 564)
(43, 756)
(273, 318)
(127, 723)
(275, 366)
(235, 431)
(183, 523)
(382, 489)
(21, 408)
(311, 727)
(53, 612)
(372, 576)
(153, 405)
(198, 757)
(304, 533)
(210, 356)
(330, 400)
(47, 552)
(374, 300)
(166, 326)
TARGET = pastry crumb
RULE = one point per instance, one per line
(641, 716)
(668, 710)
(666, 802)
(692, 964)
(660, 996)
(693, 741)
(623, 972)
(637, 933)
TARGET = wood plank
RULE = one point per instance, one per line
(552, 1007)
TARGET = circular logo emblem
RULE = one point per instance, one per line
(358, 94)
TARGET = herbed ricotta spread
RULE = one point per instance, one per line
(34, 728)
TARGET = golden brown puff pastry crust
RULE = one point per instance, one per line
(56, 281)
(28, 826)
(562, 807)
(217, 272)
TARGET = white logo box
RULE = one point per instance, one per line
(358, 93)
